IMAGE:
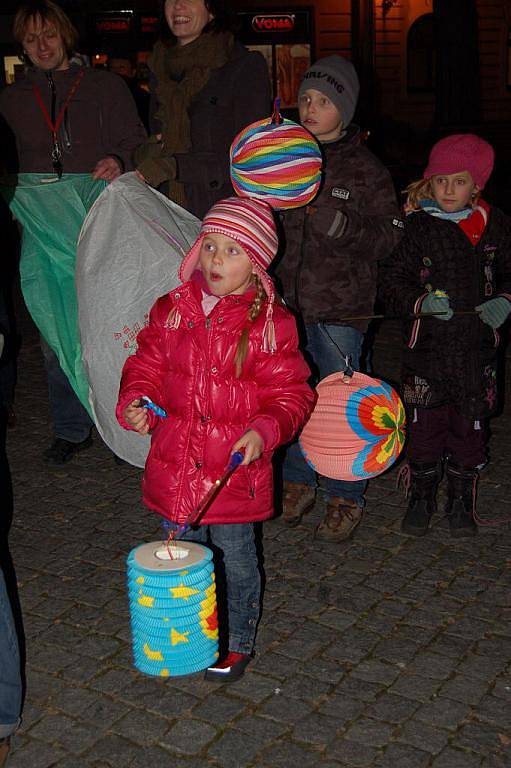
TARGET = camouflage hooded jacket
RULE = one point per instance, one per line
(329, 267)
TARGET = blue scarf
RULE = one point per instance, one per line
(432, 207)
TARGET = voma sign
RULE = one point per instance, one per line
(274, 22)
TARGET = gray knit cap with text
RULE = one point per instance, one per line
(337, 79)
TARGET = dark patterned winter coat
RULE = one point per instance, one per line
(328, 269)
(452, 361)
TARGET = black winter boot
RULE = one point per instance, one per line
(424, 479)
(461, 500)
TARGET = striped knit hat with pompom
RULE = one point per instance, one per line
(251, 224)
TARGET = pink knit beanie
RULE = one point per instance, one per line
(462, 152)
(250, 223)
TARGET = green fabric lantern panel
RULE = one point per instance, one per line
(52, 215)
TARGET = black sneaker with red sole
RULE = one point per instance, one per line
(229, 669)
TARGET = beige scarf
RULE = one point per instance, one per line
(182, 72)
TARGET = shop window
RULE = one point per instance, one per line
(420, 51)
(13, 69)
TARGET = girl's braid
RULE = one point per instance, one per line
(253, 313)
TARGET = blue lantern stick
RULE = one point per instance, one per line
(157, 409)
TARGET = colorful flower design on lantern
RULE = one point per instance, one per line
(377, 416)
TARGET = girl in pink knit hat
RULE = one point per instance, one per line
(220, 357)
(455, 263)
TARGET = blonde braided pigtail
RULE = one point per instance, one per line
(252, 315)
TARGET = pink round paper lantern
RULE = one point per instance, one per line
(357, 428)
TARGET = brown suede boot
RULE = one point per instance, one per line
(341, 518)
(298, 500)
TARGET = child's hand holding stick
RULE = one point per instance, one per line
(136, 416)
(251, 444)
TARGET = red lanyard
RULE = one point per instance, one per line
(54, 126)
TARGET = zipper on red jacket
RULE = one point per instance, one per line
(179, 494)
(251, 489)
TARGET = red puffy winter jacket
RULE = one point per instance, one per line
(190, 372)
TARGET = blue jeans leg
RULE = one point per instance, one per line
(10, 676)
(327, 346)
(70, 419)
(237, 547)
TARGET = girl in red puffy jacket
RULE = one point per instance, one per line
(221, 357)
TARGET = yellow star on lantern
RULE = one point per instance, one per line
(183, 592)
(153, 655)
(176, 637)
(146, 601)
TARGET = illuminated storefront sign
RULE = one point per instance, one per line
(149, 25)
(107, 24)
(259, 26)
(274, 22)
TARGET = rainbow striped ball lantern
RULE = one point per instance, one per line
(356, 430)
(278, 161)
(173, 610)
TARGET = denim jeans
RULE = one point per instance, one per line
(70, 419)
(10, 676)
(327, 346)
(235, 543)
(237, 549)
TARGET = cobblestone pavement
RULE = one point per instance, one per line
(386, 651)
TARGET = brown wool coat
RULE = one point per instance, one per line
(101, 120)
(235, 95)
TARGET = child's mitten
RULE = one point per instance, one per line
(495, 311)
(437, 301)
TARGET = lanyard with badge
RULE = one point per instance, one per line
(54, 123)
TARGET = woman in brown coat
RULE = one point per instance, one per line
(207, 87)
